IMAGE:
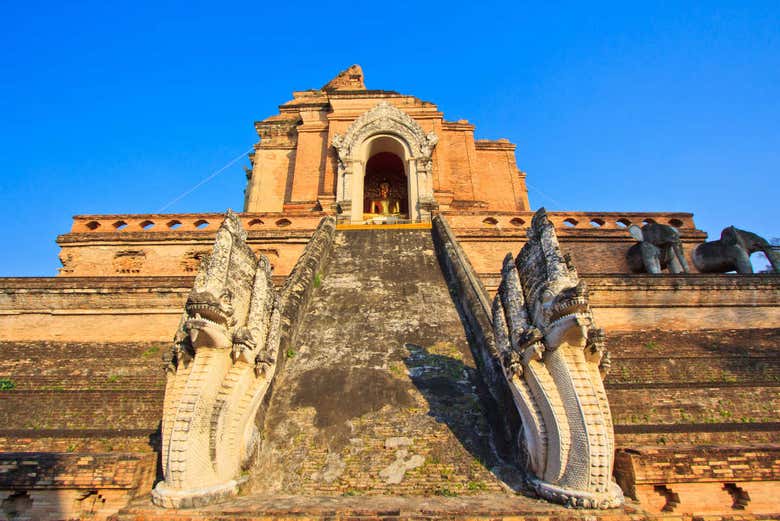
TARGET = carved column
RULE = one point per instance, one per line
(353, 184)
(343, 178)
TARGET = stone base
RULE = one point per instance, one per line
(580, 498)
(167, 497)
(472, 507)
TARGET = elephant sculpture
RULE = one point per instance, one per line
(659, 247)
(732, 252)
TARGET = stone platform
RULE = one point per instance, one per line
(493, 507)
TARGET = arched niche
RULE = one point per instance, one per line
(382, 129)
(389, 149)
(385, 170)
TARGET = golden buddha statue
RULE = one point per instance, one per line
(385, 205)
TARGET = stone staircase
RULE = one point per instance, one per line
(380, 393)
(477, 507)
(378, 413)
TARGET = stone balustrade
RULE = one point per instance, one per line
(130, 245)
(570, 220)
(209, 222)
(190, 222)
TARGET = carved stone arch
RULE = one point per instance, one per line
(385, 120)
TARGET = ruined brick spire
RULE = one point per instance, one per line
(349, 79)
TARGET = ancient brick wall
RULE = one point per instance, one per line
(52, 386)
(148, 309)
(46, 486)
(79, 426)
(680, 302)
(497, 179)
(86, 349)
(596, 241)
(685, 302)
(173, 244)
(92, 309)
(680, 384)
(695, 416)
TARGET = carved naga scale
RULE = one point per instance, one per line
(221, 364)
(554, 359)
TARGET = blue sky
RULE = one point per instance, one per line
(112, 107)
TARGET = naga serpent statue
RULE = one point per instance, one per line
(220, 367)
(554, 359)
(732, 252)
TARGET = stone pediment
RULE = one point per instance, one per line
(386, 118)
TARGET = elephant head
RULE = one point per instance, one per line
(752, 243)
(659, 246)
(732, 252)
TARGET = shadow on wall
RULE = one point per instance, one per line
(44, 486)
(155, 442)
(45, 505)
(745, 356)
(455, 396)
(17, 505)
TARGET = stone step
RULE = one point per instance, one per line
(63, 366)
(715, 344)
(67, 352)
(702, 371)
(632, 436)
(81, 440)
(69, 410)
(691, 405)
(681, 388)
(707, 358)
(119, 381)
(479, 506)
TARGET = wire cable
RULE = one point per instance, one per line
(207, 179)
(561, 206)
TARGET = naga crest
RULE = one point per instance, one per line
(554, 360)
(219, 370)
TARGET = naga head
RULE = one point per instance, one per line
(243, 341)
(210, 318)
(566, 316)
(219, 300)
(557, 299)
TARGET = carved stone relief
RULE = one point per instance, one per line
(129, 261)
(192, 260)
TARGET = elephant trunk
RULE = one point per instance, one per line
(773, 256)
(680, 254)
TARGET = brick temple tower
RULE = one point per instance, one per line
(349, 323)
